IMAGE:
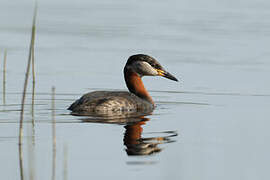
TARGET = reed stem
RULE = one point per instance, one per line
(65, 162)
(53, 135)
(24, 92)
(4, 76)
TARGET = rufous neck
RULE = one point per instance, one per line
(135, 85)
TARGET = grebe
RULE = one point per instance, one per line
(117, 102)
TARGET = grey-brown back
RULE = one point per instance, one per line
(110, 102)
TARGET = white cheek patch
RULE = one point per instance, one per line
(145, 69)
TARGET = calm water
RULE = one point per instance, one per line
(213, 124)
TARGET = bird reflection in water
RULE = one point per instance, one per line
(136, 145)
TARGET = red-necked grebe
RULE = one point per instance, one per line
(137, 100)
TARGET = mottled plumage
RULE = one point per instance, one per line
(103, 102)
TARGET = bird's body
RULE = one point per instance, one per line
(117, 102)
(105, 102)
